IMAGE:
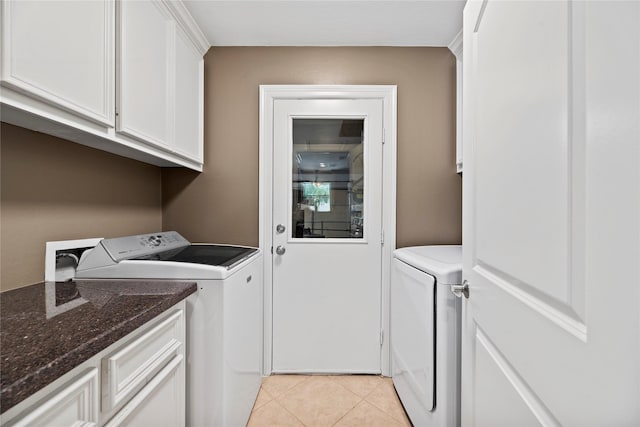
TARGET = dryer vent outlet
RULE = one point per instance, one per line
(62, 258)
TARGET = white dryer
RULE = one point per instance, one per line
(224, 317)
(425, 333)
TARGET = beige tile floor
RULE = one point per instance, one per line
(321, 400)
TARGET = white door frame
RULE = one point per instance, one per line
(270, 93)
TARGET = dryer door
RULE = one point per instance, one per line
(412, 337)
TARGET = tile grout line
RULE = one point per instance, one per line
(292, 387)
(262, 390)
(276, 399)
(328, 377)
(362, 399)
(382, 409)
(349, 411)
(289, 412)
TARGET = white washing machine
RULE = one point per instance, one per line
(224, 317)
(425, 333)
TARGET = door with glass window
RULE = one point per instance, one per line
(327, 235)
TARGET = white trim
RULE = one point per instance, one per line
(268, 94)
(189, 25)
(459, 127)
(456, 45)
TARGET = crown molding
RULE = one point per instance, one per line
(186, 21)
(456, 45)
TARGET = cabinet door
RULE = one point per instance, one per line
(76, 404)
(61, 53)
(145, 71)
(160, 403)
(129, 368)
(189, 98)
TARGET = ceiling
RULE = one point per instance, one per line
(328, 22)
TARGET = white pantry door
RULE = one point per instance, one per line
(551, 328)
(327, 223)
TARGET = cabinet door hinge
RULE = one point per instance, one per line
(382, 237)
(384, 131)
(381, 336)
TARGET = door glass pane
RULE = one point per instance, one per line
(328, 178)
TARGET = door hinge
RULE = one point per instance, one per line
(384, 131)
(382, 237)
(381, 336)
(271, 250)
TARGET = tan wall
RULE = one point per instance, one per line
(221, 204)
(58, 190)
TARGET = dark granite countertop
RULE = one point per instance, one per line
(46, 330)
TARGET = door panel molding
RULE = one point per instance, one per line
(558, 313)
(516, 384)
(268, 95)
(559, 297)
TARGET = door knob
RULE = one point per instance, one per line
(460, 290)
(280, 228)
(280, 250)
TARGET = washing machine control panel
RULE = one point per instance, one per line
(129, 247)
(155, 240)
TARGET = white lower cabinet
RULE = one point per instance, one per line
(134, 364)
(74, 405)
(137, 381)
(155, 404)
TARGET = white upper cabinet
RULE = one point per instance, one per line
(145, 78)
(62, 53)
(189, 98)
(160, 81)
(121, 76)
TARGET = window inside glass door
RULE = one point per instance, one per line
(328, 178)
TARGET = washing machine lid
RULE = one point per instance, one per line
(163, 255)
(444, 262)
(208, 254)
